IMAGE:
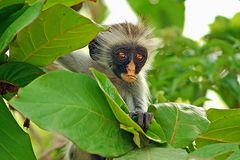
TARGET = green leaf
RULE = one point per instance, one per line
(109, 89)
(69, 3)
(213, 150)
(224, 127)
(182, 123)
(220, 25)
(14, 75)
(164, 13)
(217, 114)
(31, 1)
(9, 7)
(232, 83)
(234, 156)
(18, 73)
(120, 109)
(57, 31)
(136, 135)
(3, 58)
(154, 153)
(229, 90)
(118, 106)
(17, 21)
(72, 104)
(9, 14)
(15, 144)
(4, 4)
(235, 25)
(214, 45)
(155, 132)
(200, 101)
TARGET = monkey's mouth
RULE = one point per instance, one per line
(128, 78)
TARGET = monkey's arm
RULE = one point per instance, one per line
(76, 61)
(141, 102)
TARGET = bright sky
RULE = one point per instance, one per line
(199, 13)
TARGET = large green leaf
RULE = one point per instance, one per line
(57, 31)
(120, 110)
(9, 7)
(18, 73)
(217, 114)
(224, 127)
(14, 75)
(72, 104)
(70, 3)
(235, 156)
(155, 153)
(15, 144)
(15, 22)
(213, 151)
(164, 13)
(182, 123)
(109, 89)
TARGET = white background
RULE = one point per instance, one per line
(198, 14)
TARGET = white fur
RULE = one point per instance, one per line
(119, 35)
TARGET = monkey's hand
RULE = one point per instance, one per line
(143, 118)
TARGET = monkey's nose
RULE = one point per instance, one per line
(129, 69)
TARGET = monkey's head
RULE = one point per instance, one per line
(125, 49)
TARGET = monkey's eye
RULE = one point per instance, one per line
(121, 56)
(139, 57)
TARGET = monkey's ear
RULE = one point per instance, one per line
(93, 49)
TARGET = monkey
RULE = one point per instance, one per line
(124, 53)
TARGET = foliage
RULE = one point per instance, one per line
(43, 40)
(184, 69)
(216, 151)
(17, 74)
(84, 107)
(164, 14)
(155, 153)
(51, 3)
(175, 119)
(47, 112)
(14, 143)
(15, 17)
(225, 121)
(89, 110)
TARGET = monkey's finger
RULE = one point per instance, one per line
(147, 120)
(132, 114)
(140, 116)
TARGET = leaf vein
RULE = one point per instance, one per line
(31, 54)
(31, 40)
(175, 127)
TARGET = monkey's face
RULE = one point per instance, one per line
(128, 61)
